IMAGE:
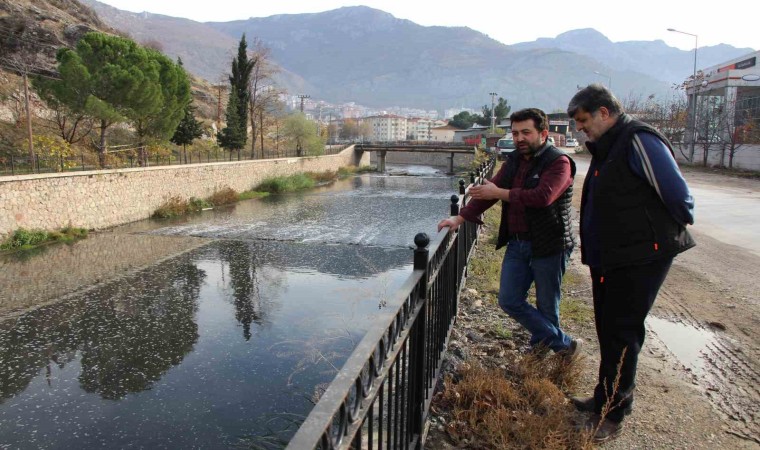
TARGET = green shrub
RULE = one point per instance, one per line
(197, 204)
(23, 238)
(27, 239)
(277, 185)
(247, 195)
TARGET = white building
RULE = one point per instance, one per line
(387, 127)
(418, 129)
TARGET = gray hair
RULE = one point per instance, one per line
(593, 97)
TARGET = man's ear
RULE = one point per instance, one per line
(604, 112)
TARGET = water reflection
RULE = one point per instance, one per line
(124, 335)
(166, 340)
(203, 349)
(29, 280)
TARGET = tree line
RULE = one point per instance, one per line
(120, 99)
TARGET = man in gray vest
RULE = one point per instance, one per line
(535, 188)
(634, 211)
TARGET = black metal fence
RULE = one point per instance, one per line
(381, 396)
(22, 165)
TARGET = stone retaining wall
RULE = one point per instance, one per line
(102, 199)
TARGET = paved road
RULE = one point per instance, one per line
(727, 208)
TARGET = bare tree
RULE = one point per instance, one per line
(738, 127)
(710, 113)
(22, 51)
(262, 91)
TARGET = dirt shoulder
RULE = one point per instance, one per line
(698, 374)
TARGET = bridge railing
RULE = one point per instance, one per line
(381, 397)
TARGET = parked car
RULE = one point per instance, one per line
(505, 145)
(571, 142)
(550, 140)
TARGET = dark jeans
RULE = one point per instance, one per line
(622, 300)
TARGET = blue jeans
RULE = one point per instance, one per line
(518, 271)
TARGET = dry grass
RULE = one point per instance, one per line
(492, 410)
(501, 398)
(223, 196)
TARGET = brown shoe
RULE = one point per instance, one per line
(604, 430)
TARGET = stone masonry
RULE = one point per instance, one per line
(102, 199)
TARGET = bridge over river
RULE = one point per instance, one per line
(383, 148)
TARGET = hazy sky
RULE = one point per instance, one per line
(514, 21)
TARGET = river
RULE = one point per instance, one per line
(211, 330)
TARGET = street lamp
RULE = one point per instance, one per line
(609, 78)
(493, 116)
(694, 94)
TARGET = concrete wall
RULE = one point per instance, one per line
(101, 199)
(746, 157)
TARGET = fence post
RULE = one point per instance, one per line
(13, 170)
(418, 344)
(472, 177)
(461, 187)
(82, 156)
(454, 205)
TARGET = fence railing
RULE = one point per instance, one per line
(381, 397)
(22, 165)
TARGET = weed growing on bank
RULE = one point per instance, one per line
(23, 239)
(177, 206)
(279, 185)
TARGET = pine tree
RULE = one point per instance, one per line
(232, 137)
(240, 78)
(188, 130)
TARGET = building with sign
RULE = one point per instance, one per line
(727, 101)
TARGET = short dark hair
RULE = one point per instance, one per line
(593, 97)
(540, 121)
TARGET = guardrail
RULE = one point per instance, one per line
(381, 397)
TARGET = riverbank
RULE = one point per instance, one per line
(712, 284)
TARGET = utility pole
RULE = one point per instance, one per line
(493, 111)
(299, 149)
(219, 108)
(302, 97)
(28, 120)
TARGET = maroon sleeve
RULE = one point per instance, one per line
(554, 181)
(475, 208)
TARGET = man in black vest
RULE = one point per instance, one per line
(535, 187)
(634, 211)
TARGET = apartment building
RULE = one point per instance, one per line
(387, 127)
(419, 129)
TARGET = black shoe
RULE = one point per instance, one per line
(603, 430)
(583, 404)
(587, 404)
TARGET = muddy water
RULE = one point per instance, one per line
(689, 344)
(212, 330)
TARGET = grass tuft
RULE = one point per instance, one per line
(279, 185)
(499, 412)
(23, 239)
(224, 196)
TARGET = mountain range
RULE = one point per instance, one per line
(364, 55)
